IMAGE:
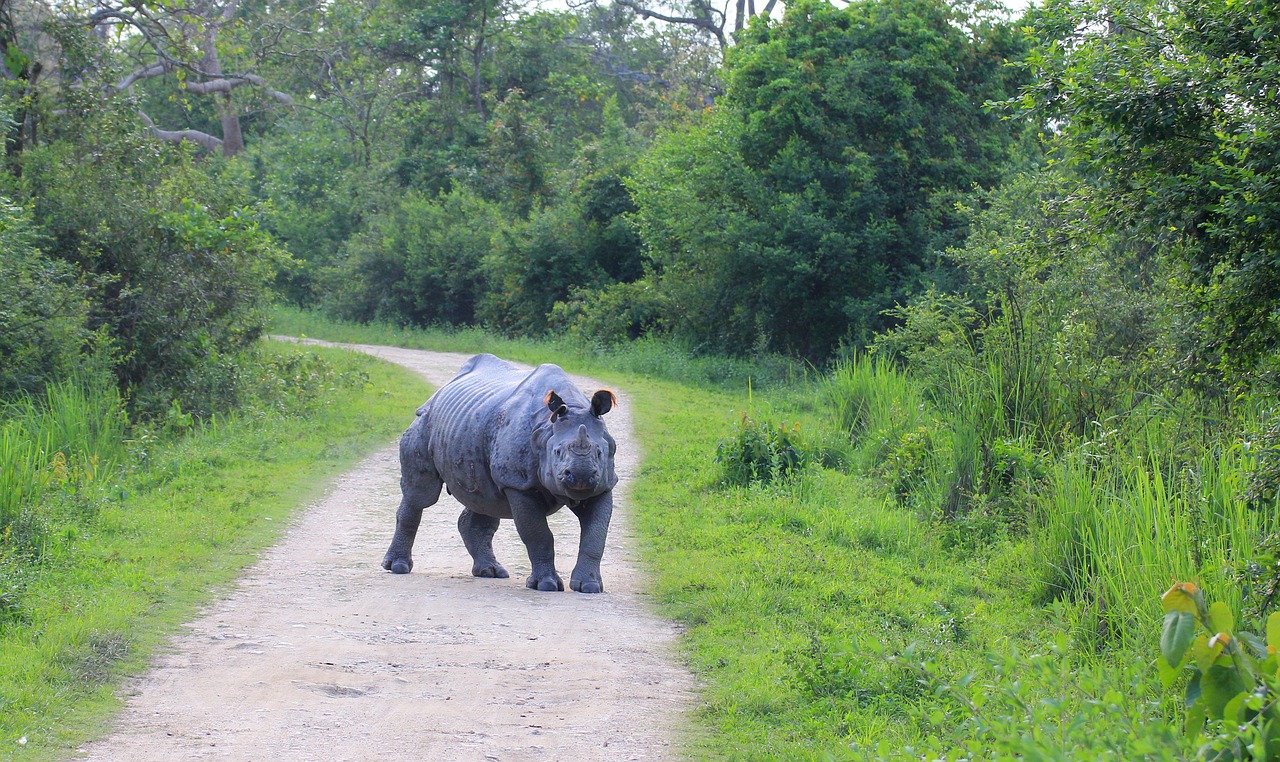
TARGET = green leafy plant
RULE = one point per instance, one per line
(1233, 695)
(762, 451)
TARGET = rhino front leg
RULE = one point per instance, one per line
(420, 486)
(594, 516)
(477, 534)
(531, 524)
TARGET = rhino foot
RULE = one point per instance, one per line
(547, 582)
(587, 585)
(489, 569)
(400, 565)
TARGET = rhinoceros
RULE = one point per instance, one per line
(510, 444)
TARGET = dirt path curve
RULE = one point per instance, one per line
(318, 654)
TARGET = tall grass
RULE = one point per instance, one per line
(875, 403)
(1117, 527)
(1150, 497)
(65, 438)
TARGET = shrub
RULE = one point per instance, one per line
(609, 316)
(44, 309)
(1233, 691)
(181, 271)
(762, 451)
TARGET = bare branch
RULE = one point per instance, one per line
(225, 85)
(701, 23)
(151, 70)
(203, 139)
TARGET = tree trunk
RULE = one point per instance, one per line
(232, 138)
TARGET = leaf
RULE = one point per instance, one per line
(1273, 631)
(1218, 687)
(1221, 620)
(1233, 709)
(1196, 716)
(1203, 653)
(1256, 647)
(1168, 673)
(1180, 597)
(1179, 631)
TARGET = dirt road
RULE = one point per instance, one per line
(318, 654)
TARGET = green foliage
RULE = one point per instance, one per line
(1162, 110)
(180, 268)
(816, 193)
(611, 316)
(421, 262)
(320, 198)
(44, 309)
(762, 451)
(1233, 692)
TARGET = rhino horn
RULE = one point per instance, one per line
(583, 442)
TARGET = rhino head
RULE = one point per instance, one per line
(576, 449)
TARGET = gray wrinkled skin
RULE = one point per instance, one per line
(514, 445)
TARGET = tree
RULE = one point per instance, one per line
(704, 15)
(44, 309)
(819, 190)
(202, 48)
(180, 269)
(1168, 113)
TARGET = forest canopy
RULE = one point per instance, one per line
(794, 179)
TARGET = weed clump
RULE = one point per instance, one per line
(762, 451)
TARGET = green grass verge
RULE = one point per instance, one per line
(795, 595)
(134, 558)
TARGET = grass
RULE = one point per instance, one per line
(69, 435)
(799, 597)
(128, 559)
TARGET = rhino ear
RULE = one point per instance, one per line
(555, 405)
(602, 402)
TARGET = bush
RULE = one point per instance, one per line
(422, 262)
(44, 309)
(610, 316)
(1233, 691)
(762, 451)
(181, 271)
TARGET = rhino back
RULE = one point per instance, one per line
(479, 429)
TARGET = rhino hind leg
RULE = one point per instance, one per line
(477, 534)
(420, 487)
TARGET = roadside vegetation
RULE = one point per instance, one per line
(117, 533)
